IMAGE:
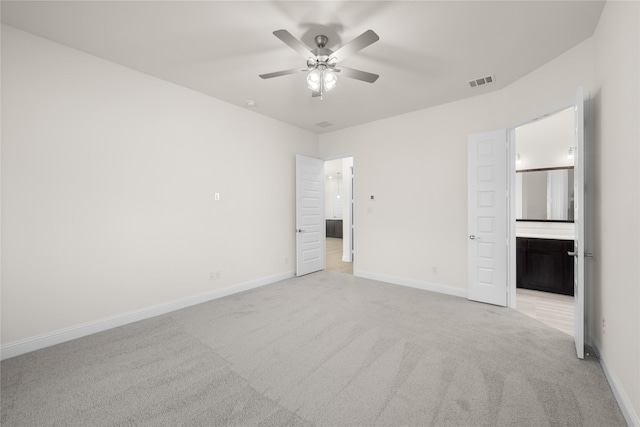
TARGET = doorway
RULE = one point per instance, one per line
(544, 219)
(492, 217)
(339, 214)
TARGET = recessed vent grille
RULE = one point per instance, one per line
(324, 124)
(481, 81)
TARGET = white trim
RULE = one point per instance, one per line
(511, 218)
(618, 391)
(57, 337)
(412, 283)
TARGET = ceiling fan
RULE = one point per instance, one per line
(322, 63)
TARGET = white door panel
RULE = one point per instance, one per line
(487, 223)
(579, 220)
(310, 224)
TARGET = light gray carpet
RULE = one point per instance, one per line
(326, 349)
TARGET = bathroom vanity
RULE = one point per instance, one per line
(542, 264)
(334, 228)
(545, 229)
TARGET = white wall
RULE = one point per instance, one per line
(415, 231)
(545, 143)
(616, 227)
(108, 182)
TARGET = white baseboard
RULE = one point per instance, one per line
(412, 283)
(57, 337)
(626, 407)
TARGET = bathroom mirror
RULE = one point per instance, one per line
(545, 194)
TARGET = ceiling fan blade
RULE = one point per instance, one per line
(280, 73)
(358, 75)
(359, 43)
(294, 43)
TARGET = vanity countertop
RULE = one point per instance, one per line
(545, 236)
(545, 230)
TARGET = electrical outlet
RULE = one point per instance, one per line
(214, 275)
(603, 326)
(434, 270)
(286, 260)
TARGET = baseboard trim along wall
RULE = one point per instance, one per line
(628, 412)
(412, 283)
(57, 337)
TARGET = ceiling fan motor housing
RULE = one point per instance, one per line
(322, 54)
(321, 40)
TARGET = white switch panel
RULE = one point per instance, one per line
(216, 196)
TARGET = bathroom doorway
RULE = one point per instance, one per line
(545, 231)
(339, 215)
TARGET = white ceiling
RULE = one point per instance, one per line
(545, 143)
(427, 52)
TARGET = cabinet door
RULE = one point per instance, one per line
(337, 231)
(547, 266)
(330, 228)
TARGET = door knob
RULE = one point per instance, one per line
(570, 253)
(299, 230)
(474, 237)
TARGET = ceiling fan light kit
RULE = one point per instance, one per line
(321, 79)
(322, 62)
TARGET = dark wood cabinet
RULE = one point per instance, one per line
(334, 228)
(543, 265)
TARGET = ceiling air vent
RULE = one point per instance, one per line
(481, 81)
(324, 124)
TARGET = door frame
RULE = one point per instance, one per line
(581, 282)
(511, 217)
(352, 206)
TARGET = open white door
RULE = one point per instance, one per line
(579, 220)
(487, 226)
(310, 224)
